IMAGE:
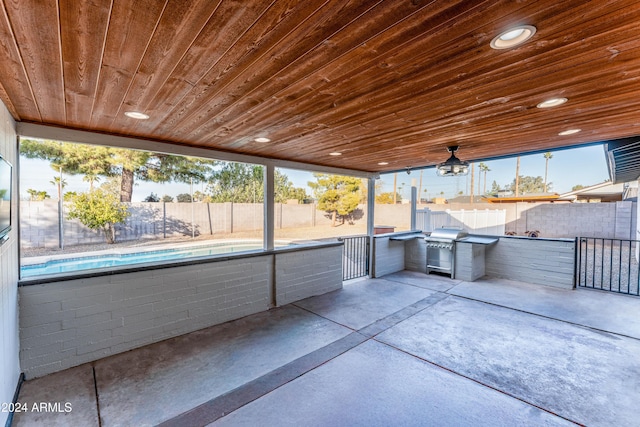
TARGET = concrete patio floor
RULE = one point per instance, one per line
(407, 349)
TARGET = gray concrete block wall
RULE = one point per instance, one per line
(307, 273)
(398, 216)
(291, 216)
(469, 262)
(624, 221)
(575, 219)
(39, 220)
(415, 255)
(65, 324)
(539, 261)
(389, 256)
(39, 223)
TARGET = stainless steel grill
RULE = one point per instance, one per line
(441, 249)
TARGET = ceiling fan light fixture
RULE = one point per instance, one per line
(453, 166)
(513, 37)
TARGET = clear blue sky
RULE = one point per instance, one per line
(586, 166)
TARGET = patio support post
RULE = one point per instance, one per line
(371, 205)
(414, 200)
(269, 203)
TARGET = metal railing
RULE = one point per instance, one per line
(355, 257)
(608, 264)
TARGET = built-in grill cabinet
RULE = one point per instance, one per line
(441, 249)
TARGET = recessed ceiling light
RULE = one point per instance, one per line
(136, 115)
(383, 163)
(262, 139)
(335, 153)
(569, 132)
(553, 102)
(513, 37)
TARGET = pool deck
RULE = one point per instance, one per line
(406, 349)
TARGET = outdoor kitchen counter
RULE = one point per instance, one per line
(479, 240)
(544, 261)
(470, 256)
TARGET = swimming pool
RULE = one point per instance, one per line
(111, 259)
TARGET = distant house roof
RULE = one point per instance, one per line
(533, 197)
(605, 191)
(466, 199)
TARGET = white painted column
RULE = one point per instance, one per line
(269, 206)
(371, 207)
(371, 203)
(414, 201)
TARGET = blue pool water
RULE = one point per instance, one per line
(79, 263)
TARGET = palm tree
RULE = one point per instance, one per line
(91, 178)
(547, 156)
(484, 169)
(395, 182)
(32, 194)
(59, 183)
(517, 176)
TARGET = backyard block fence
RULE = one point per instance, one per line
(39, 220)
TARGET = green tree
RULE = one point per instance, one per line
(336, 194)
(152, 198)
(387, 198)
(99, 210)
(167, 199)
(577, 187)
(59, 184)
(243, 183)
(128, 164)
(35, 195)
(183, 198)
(199, 196)
(112, 185)
(529, 184)
(92, 179)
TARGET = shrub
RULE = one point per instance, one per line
(99, 210)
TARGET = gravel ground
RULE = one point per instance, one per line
(609, 265)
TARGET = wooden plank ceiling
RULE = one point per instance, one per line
(393, 81)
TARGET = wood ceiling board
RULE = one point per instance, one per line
(342, 46)
(81, 56)
(131, 27)
(177, 29)
(393, 78)
(392, 98)
(40, 55)
(287, 50)
(280, 20)
(12, 75)
(215, 41)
